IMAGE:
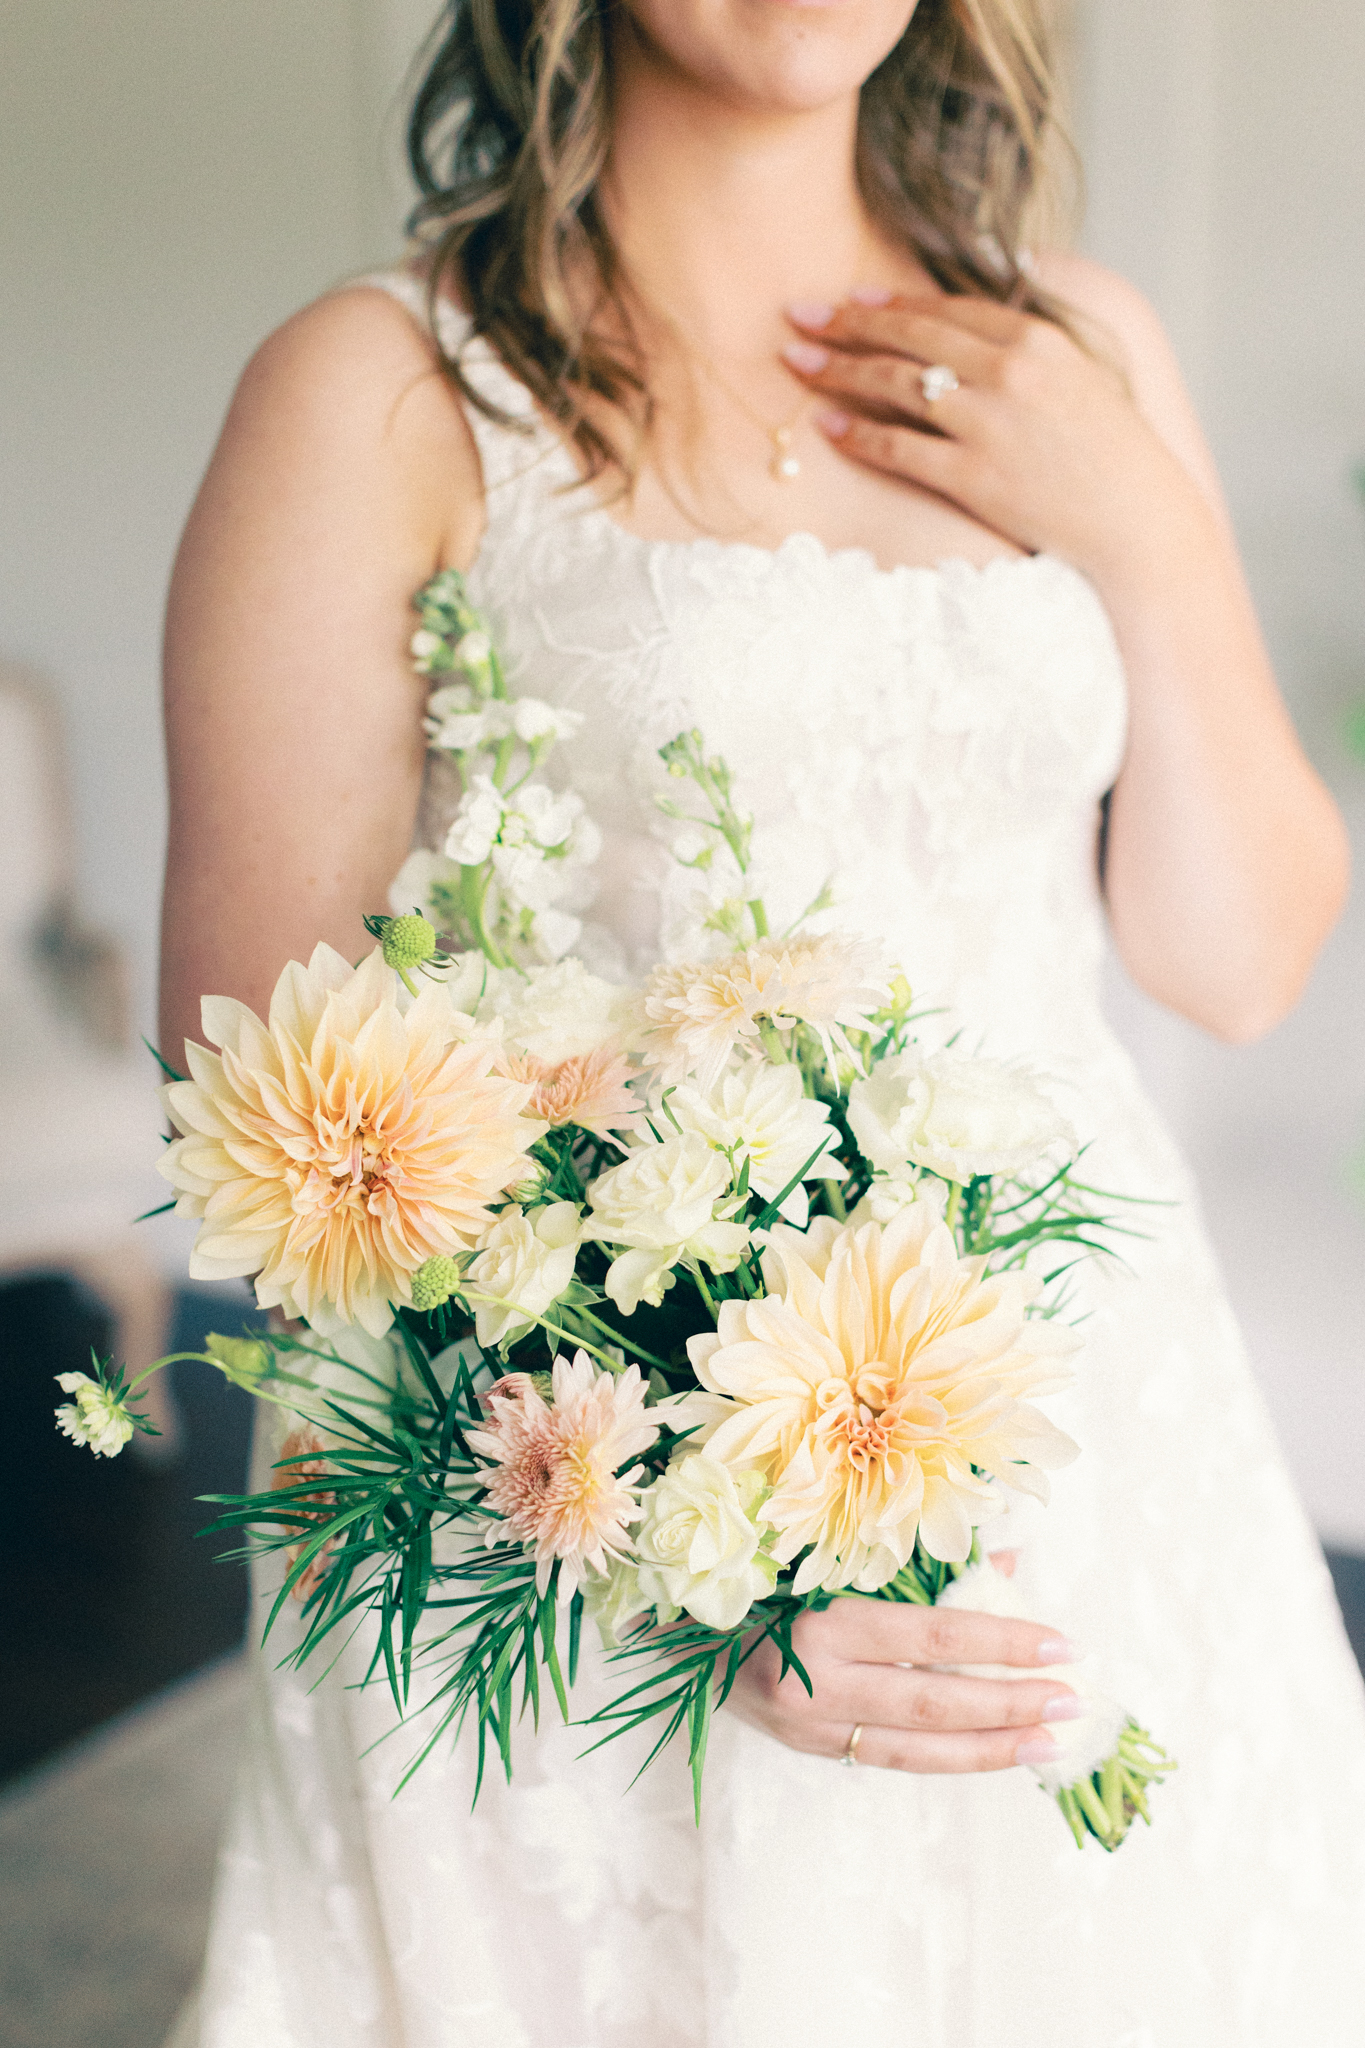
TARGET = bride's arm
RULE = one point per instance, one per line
(345, 476)
(1226, 858)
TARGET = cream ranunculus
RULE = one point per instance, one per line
(875, 1387)
(761, 1112)
(958, 1117)
(660, 1203)
(700, 1539)
(525, 1263)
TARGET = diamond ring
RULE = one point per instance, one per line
(937, 381)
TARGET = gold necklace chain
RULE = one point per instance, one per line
(783, 464)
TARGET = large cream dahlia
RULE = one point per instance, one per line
(879, 1369)
(333, 1150)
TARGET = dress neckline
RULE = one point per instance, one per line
(557, 467)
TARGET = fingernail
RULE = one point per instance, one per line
(1068, 1706)
(1039, 1751)
(836, 423)
(810, 313)
(805, 355)
(872, 295)
(1056, 1650)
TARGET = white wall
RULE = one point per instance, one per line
(177, 179)
(1225, 176)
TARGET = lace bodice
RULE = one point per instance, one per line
(935, 741)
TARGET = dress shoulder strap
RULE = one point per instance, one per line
(520, 452)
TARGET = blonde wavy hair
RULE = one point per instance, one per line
(508, 137)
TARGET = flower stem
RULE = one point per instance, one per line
(950, 1214)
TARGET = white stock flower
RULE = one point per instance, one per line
(888, 1195)
(483, 726)
(699, 1542)
(959, 1117)
(761, 1112)
(561, 1012)
(428, 882)
(476, 823)
(96, 1417)
(660, 1203)
(525, 1263)
(422, 646)
(474, 651)
(533, 720)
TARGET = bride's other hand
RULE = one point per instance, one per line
(1032, 441)
(871, 1666)
(1223, 858)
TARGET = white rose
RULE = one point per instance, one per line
(525, 1264)
(661, 1203)
(762, 1112)
(562, 1012)
(958, 1117)
(476, 824)
(699, 1539)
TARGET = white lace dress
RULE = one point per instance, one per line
(938, 739)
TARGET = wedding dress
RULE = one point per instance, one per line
(938, 741)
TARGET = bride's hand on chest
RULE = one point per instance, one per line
(1000, 412)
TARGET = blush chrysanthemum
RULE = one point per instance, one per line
(555, 1477)
(872, 1386)
(695, 1016)
(333, 1150)
(588, 1090)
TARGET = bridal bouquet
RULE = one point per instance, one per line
(680, 1309)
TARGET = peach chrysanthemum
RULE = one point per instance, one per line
(555, 1480)
(335, 1149)
(865, 1386)
(696, 1015)
(589, 1090)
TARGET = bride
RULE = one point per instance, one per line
(724, 373)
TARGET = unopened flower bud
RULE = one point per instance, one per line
(433, 1284)
(408, 941)
(245, 1360)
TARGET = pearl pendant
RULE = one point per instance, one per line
(784, 464)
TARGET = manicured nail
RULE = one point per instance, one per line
(810, 313)
(1056, 1650)
(1068, 1706)
(872, 295)
(806, 356)
(1039, 1751)
(834, 424)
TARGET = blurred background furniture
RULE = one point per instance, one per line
(79, 1122)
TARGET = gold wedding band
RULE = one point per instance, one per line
(850, 1755)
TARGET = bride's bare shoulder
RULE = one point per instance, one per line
(350, 390)
(1121, 323)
